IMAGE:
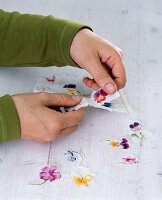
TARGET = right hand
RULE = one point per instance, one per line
(40, 123)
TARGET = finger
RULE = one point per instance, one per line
(118, 70)
(67, 131)
(91, 83)
(119, 51)
(72, 118)
(101, 76)
(55, 99)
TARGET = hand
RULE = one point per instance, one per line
(101, 59)
(40, 123)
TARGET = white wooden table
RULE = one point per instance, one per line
(136, 27)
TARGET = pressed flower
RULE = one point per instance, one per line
(82, 181)
(137, 131)
(100, 96)
(136, 126)
(51, 79)
(73, 156)
(50, 173)
(128, 160)
(123, 143)
(70, 86)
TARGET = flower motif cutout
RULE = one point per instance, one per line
(124, 144)
(137, 130)
(74, 156)
(136, 126)
(128, 160)
(50, 173)
(82, 181)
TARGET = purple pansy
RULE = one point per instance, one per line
(50, 173)
(135, 126)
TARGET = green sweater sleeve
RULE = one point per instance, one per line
(31, 40)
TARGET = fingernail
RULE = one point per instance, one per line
(76, 98)
(110, 87)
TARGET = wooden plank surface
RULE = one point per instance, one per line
(134, 26)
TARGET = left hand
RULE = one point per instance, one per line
(101, 59)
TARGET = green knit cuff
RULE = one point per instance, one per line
(66, 39)
(9, 120)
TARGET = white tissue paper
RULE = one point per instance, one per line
(74, 86)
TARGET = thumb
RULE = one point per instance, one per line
(56, 99)
(102, 77)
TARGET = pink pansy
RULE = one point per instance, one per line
(50, 173)
(130, 160)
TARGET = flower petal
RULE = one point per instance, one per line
(57, 175)
(78, 181)
(87, 178)
(46, 169)
(103, 93)
(85, 183)
(125, 146)
(52, 178)
(69, 153)
(53, 168)
(44, 176)
(124, 140)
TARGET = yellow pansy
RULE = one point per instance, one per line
(82, 181)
